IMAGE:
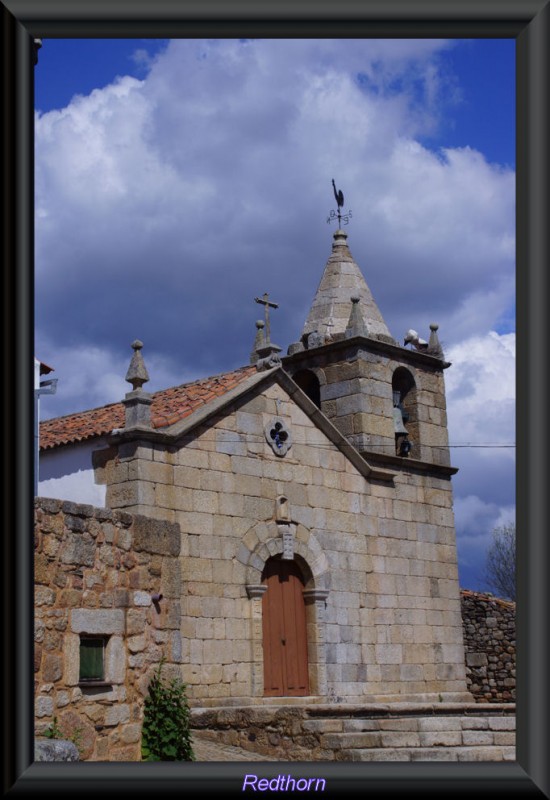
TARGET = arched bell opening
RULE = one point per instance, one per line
(405, 414)
(309, 384)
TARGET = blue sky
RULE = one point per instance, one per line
(178, 180)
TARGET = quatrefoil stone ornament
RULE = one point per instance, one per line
(278, 436)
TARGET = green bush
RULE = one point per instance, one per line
(165, 733)
(53, 731)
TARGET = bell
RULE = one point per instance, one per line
(398, 425)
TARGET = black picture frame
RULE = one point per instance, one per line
(528, 22)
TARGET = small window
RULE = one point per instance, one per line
(92, 659)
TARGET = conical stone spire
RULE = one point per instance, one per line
(331, 308)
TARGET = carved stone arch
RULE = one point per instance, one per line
(310, 381)
(318, 372)
(266, 542)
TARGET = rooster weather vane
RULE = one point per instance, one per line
(339, 196)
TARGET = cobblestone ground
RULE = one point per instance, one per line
(206, 750)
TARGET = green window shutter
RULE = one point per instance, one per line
(91, 659)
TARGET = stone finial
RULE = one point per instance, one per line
(339, 238)
(137, 373)
(259, 341)
(266, 351)
(434, 345)
(137, 402)
(356, 324)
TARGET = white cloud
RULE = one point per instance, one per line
(479, 518)
(480, 389)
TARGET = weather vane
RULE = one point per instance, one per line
(338, 194)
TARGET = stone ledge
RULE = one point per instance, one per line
(312, 707)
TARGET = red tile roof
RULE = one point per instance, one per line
(169, 406)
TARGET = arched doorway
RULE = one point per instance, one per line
(284, 630)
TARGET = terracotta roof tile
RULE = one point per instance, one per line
(169, 406)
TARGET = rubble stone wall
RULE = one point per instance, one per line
(96, 571)
(490, 644)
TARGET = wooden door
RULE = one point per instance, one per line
(284, 631)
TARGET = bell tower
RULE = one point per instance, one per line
(388, 400)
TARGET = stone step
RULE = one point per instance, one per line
(485, 733)
(455, 723)
(413, 724)
(420, 733)
(491, 753)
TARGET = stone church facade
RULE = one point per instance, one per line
(313, 502)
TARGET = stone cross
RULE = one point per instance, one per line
(267, 305)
